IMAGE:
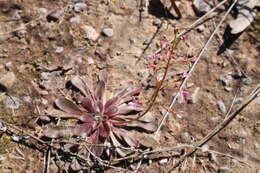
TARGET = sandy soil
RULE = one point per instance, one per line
(30, 46)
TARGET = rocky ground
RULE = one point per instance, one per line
(44, 43)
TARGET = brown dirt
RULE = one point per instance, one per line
(31, 51)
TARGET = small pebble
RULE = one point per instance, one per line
(12, 102)
(8, 65)
(225, 79)
(27, 99)
(1, 158)
(148, 41)
(205, 148)
(228, 89)
(132, 41)
(91, 33)
(43, 92)
(59, 49)
(75, 19)
(16, 138)
(247, 81)
(213, 157)
(90, 60)
(79, 7)
(200, 28)
(48, 75)
(42, 11)
(237, 74)
(7, 80)
(157, 22)
(45, 118)
(201, 6)
(163, 161)
(238, 100)
(230, 51)
(54, 16)
(2, 127)
(221, 106)
(223, 170)
(108, 32)
(44, 101)
(16, 15)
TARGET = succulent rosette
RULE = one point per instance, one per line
(100, 119)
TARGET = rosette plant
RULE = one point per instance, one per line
(102, 119)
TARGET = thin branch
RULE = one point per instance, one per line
(219, 127)
(232, 103)
(193, 67)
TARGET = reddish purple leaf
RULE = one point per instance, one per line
(116, 143)
(87, 103)
(151, 127)
(111, 102)
(69, 107)
(128, 108)
(81, 85)
(82, 129)
(104, 130)
(125, 117)
(88, 118)
(94, 139)
(100, 91)
(111, 111)
(128, 137)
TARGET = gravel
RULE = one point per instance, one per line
(80, 6)
(54, 16)
(157, 22)
(108, 32)
(201, 7)
(12, 102)
(59, 49)
(7, 81)
(27, 99)
(75, 19)
(91, 33)
(226, 79)
(221, 106)
(247, 81)
(223, 170)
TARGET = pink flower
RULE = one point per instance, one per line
(193, 59)
(185, 75)
(133, 104)
(155, 56)
(159, 78)
(183, 37)
(173, 57)
(164, 45)
(152, 66)
(183, 92)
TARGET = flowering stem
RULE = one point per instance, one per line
(159, 85)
